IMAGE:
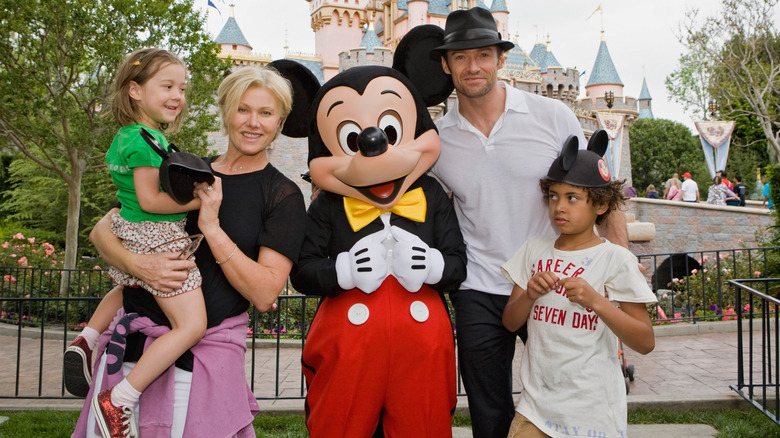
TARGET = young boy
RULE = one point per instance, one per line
(572, 381)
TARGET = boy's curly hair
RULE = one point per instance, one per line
(611, 195)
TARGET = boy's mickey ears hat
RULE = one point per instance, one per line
(582, 167)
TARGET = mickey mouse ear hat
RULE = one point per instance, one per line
(582, 168)
(179, 171)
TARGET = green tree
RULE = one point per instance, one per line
(741, 47)
(660, 148)
(689, 85)
(57, 60)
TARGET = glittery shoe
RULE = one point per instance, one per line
(77, 367)
(113, 421)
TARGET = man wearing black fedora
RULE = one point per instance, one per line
(497, 143)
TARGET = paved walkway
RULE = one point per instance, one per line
(691, 366)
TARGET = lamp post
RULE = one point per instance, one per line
(713, 107)
(609, 98)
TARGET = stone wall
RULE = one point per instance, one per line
(683, 226)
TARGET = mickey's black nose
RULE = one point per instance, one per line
(372, 141)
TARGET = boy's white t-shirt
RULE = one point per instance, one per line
(572, 381)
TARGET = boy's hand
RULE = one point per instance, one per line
(540, 284)
(580, 292)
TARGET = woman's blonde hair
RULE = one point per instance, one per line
(233, 87)
(139, 67)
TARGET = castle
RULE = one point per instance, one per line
(359, 32)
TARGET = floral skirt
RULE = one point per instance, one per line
(151, 237)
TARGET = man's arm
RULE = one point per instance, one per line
(614, 228)
(162, 271)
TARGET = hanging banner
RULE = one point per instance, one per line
(715, 140)
(613, 124)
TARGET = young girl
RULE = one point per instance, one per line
(564, 290)
(149, 93)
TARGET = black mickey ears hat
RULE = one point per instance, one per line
(179, 171)
(470, 29)
(582, 168)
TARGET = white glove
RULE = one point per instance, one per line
(414, 262)
(364, 266)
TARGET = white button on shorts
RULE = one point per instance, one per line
(358, 313)
(419, 311)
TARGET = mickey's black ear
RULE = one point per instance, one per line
(569, 152)
(305, 86)
(598, 142)
(412, 58)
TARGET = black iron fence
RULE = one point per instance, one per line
(42, 310)
(758, 344)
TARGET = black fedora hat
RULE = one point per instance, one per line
(469, 29)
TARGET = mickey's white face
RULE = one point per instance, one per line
(375, 157)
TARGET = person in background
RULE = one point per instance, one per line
(690, 190)
(718, 192)
(767, 193)
(740, 190)
(651, 192)
(725, 181)
(668, 184)
(675, 192)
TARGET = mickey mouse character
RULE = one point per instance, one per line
(382, 245)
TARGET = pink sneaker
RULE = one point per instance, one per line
(113, 421)
(77, 367)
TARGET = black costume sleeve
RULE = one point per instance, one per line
(447, 237)
(315, 272)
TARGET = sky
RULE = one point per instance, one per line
(641, 36)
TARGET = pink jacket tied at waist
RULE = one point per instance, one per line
(215, 407)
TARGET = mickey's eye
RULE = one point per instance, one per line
(390, 123)
(348, 133)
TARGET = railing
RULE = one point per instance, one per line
(689, 286)
(37, 322)
(758, 363)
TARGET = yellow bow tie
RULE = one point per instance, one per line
(412, 206)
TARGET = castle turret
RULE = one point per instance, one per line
(230, 38)
(336, 25)
(603, 76)
(501, 14)
(233, 44)
(645, 102)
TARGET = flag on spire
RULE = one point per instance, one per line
(211, 4)
(594, 12)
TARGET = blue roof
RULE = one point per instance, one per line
(538, 53)
(370, 41)
(517, 59)
(380, 27)
(646, 113)
(231, 34)
(401, 5)
(543, 57)
(481, 4)
(603, 71)
(438, 7)
(645, 94)
(498, 6)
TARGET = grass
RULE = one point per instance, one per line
(730, 423)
